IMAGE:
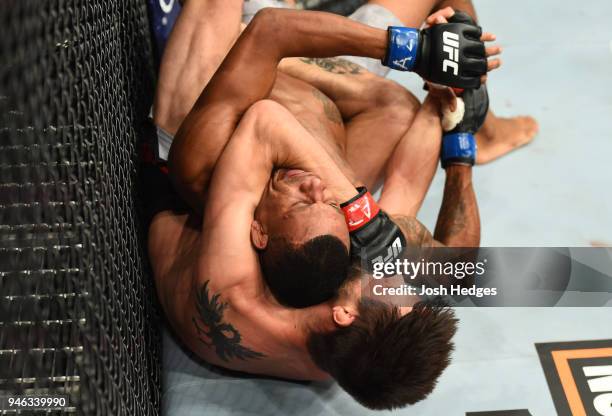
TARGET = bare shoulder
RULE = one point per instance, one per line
(197, 307)
(214, 330)
(168, 233)
(172, 240)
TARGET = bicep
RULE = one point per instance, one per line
(238, 180)
(227, 255)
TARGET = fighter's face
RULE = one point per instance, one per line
(296, 205)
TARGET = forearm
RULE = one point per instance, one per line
(458, 221)
(413, 163)
(321, 35)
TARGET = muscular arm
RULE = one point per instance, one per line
(409, 174)
(247, 75)
(458, 222)
(268, 136)
(413, 163)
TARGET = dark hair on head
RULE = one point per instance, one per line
(384, 360)
(307, 274)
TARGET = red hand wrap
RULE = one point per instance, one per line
(360, 210)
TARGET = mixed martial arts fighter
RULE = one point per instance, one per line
(208, 276)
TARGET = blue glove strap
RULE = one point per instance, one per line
(403, 47)
(458, 148)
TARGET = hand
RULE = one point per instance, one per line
(442, 16)
(459, 144)
(451, 109)
(445, 95)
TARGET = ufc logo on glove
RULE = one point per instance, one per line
(450, 54)
(451, 47)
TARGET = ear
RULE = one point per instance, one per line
(344, 315)
(259, 238)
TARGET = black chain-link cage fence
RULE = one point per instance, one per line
(77, 304)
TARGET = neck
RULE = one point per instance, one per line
(290, 325)
(313, 318)
(299, 323)
(320, 317)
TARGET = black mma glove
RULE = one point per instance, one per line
(459, 144)
(450, 54)
(374, 236)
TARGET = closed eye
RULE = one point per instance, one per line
(298, 205)
(335, 206)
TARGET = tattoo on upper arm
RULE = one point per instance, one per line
(329, 108)
(335, 65)
(213, 332)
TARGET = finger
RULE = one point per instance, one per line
(493, 64)
(430, 87)
(488, 37)
(493, 50)
(452, 102)
(449, 97)
(447, 12)
(483, 79)
(436, 19)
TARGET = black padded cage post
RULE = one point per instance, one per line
(77, 303)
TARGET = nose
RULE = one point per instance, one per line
(314, 188)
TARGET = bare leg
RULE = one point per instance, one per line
(203, 34)
(377, 112)
(499, 136)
